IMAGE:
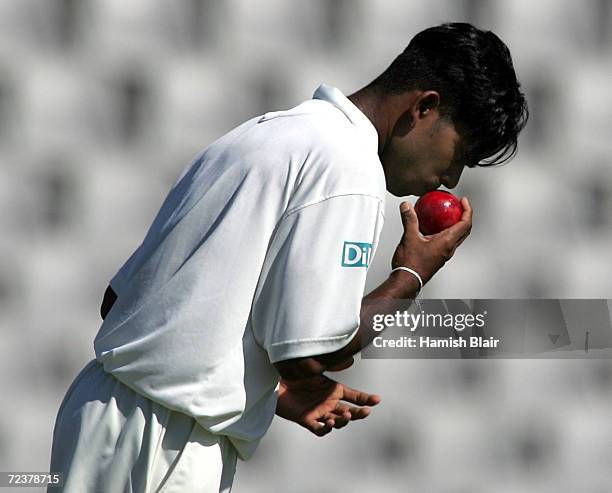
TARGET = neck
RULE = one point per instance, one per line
(371, 104)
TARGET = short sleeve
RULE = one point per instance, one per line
(308, 298)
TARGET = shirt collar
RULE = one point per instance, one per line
(356, 117)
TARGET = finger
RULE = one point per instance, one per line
(461, 230)
(344, 411)
(409, 219)
(359, 412)
(318, 428)
(467, 210)
(358, 397)
(339, 420)
(457, 243)
(341, 408)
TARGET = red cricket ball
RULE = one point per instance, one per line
(437, 211)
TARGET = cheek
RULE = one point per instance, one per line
(447, 154)
(445, 147)
(396, 157)
(418, 159)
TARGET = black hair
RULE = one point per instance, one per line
(472, 71)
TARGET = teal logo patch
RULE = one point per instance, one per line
(356, 254)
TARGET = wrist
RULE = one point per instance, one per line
(407, 283)
(410, 271)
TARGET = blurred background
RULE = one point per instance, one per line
(102, 103)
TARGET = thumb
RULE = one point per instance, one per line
(409, 218)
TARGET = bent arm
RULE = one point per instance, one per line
(426, 254)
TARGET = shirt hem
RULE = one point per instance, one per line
(300, 348)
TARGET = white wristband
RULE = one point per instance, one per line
(413, 272)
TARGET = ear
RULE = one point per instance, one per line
(414, 105)
(426, 103)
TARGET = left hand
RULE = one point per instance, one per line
(316, 403)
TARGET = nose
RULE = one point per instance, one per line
(450, 179)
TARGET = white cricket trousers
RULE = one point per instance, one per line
(109, 439)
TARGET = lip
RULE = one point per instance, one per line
(426, 191)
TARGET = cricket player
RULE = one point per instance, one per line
(249, 285)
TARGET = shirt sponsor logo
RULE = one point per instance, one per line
(356, 254)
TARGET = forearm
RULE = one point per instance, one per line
(400, 286)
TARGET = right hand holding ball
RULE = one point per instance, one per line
(433, 230)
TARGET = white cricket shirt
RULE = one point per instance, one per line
(258, 254)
